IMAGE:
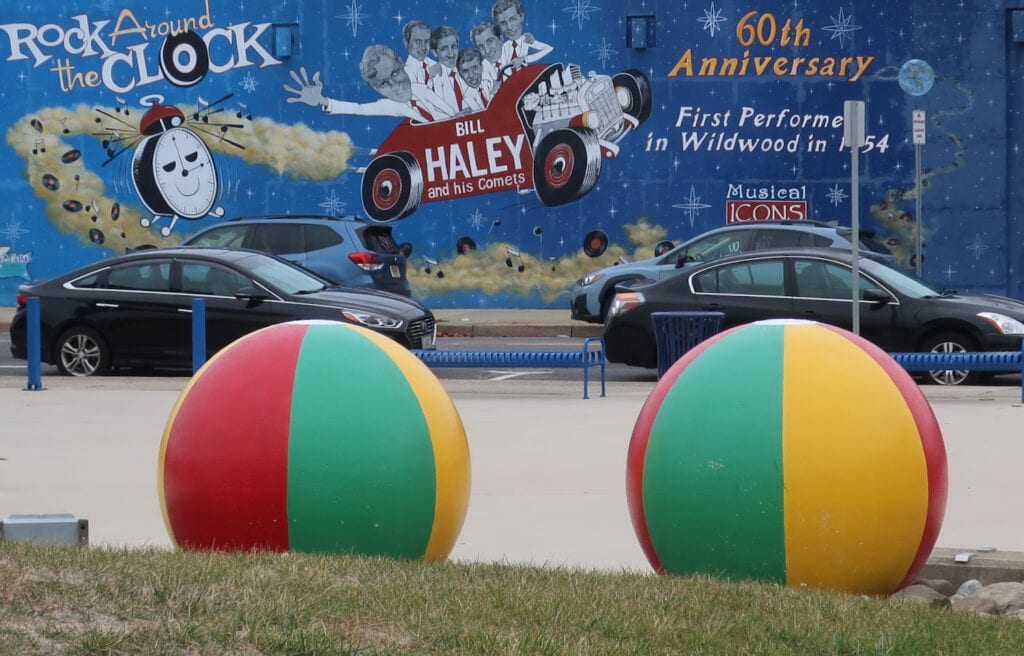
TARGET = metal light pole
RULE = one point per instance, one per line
(918, 132)
(853, 133)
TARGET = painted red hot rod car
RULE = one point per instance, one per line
(548, 127)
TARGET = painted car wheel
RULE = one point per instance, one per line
(566, 165)
(82, 352)
(392, 186)
(633, 87)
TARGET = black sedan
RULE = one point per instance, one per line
(135, 309)
(898, 312)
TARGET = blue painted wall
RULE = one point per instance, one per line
(746, 121)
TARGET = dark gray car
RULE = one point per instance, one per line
(135, 309)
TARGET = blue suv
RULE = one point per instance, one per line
(348, 251)
(590, 297)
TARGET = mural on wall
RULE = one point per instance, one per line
(512, 149)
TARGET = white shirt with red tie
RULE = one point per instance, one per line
(476, 99)
(533, 51)
(419, 70)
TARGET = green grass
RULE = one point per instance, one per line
(68, 600)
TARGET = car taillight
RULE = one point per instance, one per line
(21, 298)
(366, 261)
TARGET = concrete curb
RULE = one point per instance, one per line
(452, 329)
(986, 566)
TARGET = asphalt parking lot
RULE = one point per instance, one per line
(548, 467)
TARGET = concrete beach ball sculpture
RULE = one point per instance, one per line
(315, 436)
(790, 452)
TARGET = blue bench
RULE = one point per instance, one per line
(995, 361)
(590, 355)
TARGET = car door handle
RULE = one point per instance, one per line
(185, 310)
(107, 305)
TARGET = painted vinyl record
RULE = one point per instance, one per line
(51, 182)
(663, 247)
(72, 155)
(73, 205)
(595, 243)
(465, 245)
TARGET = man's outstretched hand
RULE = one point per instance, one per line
(310, 93)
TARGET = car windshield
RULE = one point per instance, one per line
(287, 278)
(903, 282)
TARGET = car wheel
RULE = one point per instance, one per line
(951, 343)
(392, 186)
(566, 165)
(634, 92)
(82, 352)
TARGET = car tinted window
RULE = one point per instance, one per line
(319, 237)
(277, 238)
(775, 239)
(760, 278)
(817, 279)
(204, 278)
(89, 281)
(149, 276)
(716, 245)
(229, 236)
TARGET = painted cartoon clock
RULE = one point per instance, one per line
(173, 170)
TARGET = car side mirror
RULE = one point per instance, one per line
(683, 261)
(250, 293)
(876, 296)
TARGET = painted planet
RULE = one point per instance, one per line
(755, 457)
(916, 77)
(315, 436)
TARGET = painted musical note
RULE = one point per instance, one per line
(432, 263)
(40, 147)
(199, 115)
(495, 224)
(243, 109)
(121, 104)
(512, 252)
(64, 126)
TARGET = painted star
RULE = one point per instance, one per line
(712, 18)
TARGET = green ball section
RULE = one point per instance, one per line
(361, 475)
(712, 481)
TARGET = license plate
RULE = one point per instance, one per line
(395, 271)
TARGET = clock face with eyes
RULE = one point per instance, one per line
(174, 174)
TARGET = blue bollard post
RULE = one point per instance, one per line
(198, 334)
(35, 348)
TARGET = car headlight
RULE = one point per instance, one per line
(624, 301)
(371, 320)
(1004, 324)
(590, 279)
